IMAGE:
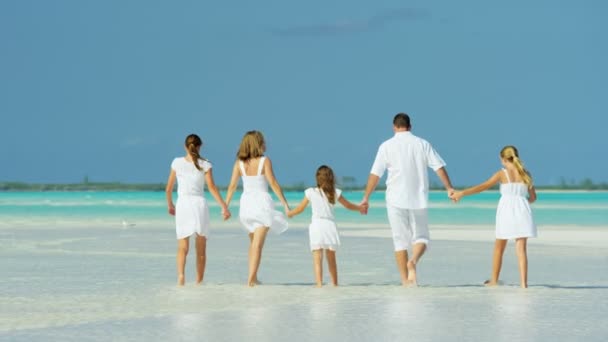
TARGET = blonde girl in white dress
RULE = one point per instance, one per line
(514, 215)
(191, 211)
(323, 232)
(256, 213)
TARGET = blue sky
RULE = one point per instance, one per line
(109, 89)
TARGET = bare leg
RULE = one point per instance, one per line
(522, 260)
(256, 281)
(499, 250)
(401, 258)
(417, 252)
(201, 257)
(317, 261)
(255, 254)
(332, 265)
(182, 252)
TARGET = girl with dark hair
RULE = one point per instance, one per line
(191, 211)
(322, 230)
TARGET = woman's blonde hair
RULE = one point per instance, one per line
(193, 142)
(326, 182)
(252, 146)
(510, 154)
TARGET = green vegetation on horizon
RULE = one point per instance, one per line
(345, 183)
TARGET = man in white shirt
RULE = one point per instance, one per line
(406, 157)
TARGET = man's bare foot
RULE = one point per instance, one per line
(181, 280)
(524, 286)
(319, 285)
(409, 283)
(254, 282)
(411, 273)
(490, 283)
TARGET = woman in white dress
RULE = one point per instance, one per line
(191, 211)
(514, 215)
(257, 213)
(322, 231)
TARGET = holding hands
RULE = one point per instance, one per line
(225, 212)
(456, 196)
(364, 206)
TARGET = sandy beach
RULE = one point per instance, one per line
(117, 283)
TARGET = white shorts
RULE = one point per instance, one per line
(409, 226)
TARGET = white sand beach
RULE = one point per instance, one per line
(116, 283)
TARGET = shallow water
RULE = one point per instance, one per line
(107, 283)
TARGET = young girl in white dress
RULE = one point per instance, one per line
(191, 211)
(322, 230)
(514, 215)
(257, 213)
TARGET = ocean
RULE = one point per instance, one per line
(100, 266)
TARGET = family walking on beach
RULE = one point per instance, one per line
(405, 157)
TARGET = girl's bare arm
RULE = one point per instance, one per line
(234, 180)
(299, 209)
(531, 194)
(216, 193)
(478, 188)
(169, 192)
(349, 205)
(272, 181)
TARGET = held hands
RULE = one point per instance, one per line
(225, 213)
(364, 206)
(286, 209)
(455, 196)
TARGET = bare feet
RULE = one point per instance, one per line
(490, 283)
(411, 274)
(181, 280)
(254, 282)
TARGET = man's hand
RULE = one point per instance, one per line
(364, 206)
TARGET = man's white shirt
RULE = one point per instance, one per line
(406, 157)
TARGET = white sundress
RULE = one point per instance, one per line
(256, 205)
(514, 215)
(191, 210)
(322, 230)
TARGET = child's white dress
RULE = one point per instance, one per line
(322, 230)
(514, 215)
(191, 210)
(256, 204)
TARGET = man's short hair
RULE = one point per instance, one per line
(401, 120)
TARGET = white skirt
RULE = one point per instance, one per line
(191, 216)
(323, 234)
(514, 219)
(257, 210)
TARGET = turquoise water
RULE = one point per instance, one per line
(552, 208)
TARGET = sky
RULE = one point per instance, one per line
(109, 89)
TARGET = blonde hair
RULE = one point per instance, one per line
(326, 182)
(252, 146)
(193, 142)
(510, 154)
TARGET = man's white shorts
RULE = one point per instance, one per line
(409, 226)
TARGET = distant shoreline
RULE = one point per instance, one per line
(158, 187)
